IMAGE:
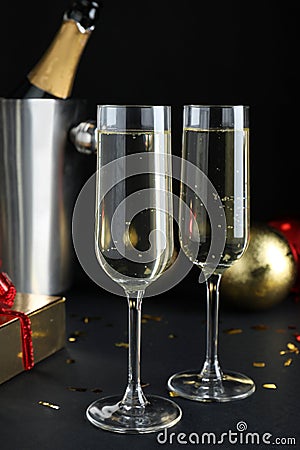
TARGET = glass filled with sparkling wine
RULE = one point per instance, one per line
(214, 229)
(134, 242)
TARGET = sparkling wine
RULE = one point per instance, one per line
(54, 74)
(218, 153)
(131, 252)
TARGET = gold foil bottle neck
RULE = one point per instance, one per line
(56, 70)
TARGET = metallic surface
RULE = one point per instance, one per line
(84, 137)
(48, 325)
(41, 174)
(55, 72)
(264, 275)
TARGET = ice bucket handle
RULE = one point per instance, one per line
(84, 137)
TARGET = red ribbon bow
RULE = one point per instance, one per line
(7, 297)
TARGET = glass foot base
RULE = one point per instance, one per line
(191, 385)
(111, 414)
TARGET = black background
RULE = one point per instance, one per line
(163, 52)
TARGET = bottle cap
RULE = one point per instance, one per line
(85, 13)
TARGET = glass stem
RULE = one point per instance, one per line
(211, 370)
(134, 396)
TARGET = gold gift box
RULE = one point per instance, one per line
(48, 326)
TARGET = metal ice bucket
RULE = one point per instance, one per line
(41, 174)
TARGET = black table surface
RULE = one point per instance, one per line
(173, 343)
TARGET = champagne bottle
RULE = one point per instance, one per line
(54, 74)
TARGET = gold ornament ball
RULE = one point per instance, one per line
(264, 275)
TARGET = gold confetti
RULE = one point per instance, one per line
(70, 361)
(144, 385)
(172, 336)
(233, 331)
(292, 347)
(76, 389)
(49, 405)
(96, 390)
(73, 337)
(288, 362)
(270, 386)
(259, 364)
(79, 333)
(122, 344)
(150, 317)
(260, 327)
(173, 394)
(88, 319)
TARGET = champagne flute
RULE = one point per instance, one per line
(214, 229)
(134, 242)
